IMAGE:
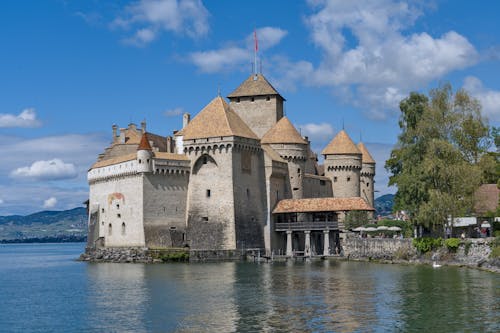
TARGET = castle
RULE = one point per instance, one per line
(237, 176)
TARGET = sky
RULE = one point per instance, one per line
(69, 70)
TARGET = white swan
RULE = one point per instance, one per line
(435, 265)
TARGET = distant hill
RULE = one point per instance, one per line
(383, 204)
(46, 225)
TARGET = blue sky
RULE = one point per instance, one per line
(71, 69)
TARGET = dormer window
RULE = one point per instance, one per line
(268, 98)
(252, 99)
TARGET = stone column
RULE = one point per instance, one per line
(326, 244)
(307, 246)
(289, 251)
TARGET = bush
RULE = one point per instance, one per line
(467, 246)
(452, 244)
(426, 244)
(495, 252)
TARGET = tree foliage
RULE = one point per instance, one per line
(354, 219)
(441, 156)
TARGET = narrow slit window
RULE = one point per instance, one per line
(209, 193)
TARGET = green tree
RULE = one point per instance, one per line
(441, 155)
(354, 219)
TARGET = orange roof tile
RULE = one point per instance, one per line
(217, 119)
(144, 144)
(341, 145)
(321, 205)
(283, 132)
(255, 85)
(171, 156)
(366, 156)
(114, 160)
(486, 198)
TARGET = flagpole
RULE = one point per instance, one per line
(256, 48)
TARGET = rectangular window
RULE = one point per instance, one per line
(246, 162)
(322, 182)
(205, 218)
(208, 193)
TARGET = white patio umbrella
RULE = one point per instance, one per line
(359, 229)
(382, 227)
(394, 229)
(370, 229)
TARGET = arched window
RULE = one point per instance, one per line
(110, 229)
(123, 229)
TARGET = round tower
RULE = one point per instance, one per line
(343, 166)
(144, 155)
(367, 175)
(284, 138)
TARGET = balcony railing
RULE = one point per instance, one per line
(301, 226)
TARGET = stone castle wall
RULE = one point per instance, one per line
(344, 171)
(210, 203)
(259, 113)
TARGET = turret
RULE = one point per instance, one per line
(287, 142)
(144, 155)
(257, 103)
(343, 166)
(367, 175)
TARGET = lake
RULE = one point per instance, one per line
(43, 289)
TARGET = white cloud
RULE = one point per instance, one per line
(317, 133)
(50, 202)
(366, 50)
(149, 18)
(174, 112)
(490, 99)
(1, 201)
(46, 170)
(27, 118)
(236, 54)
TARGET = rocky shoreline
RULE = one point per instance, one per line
(471, 253)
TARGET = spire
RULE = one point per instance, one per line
(366, 156)
(341, 145)
(215, 120)
(144, 144)
(283, 132)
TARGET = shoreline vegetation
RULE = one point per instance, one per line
(47, 239)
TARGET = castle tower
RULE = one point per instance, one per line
(144, 155)
(343, 165)
(257, 103)
(226, 202)
(367, 175)
(287, 142)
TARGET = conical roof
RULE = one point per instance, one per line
(366, 157)
(144, 144)
(255, 85)
(283, 132)
(217, 119)
(340, 145)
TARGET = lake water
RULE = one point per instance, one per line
(42, 289)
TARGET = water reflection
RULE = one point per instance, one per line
(283, 297)
(117, 297)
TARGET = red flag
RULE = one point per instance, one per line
(256, 41)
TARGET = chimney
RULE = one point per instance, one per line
(169, 144)
(186, 118)
(143, 126)
(115, 129)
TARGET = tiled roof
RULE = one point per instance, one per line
(486, 198)
(283, 132)
(144, 144)
(366, 157)
(215, 120)
(171, 156)
(321, 205)
(340, 145)
(272, 154)
(255, 85)
(114, 160)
